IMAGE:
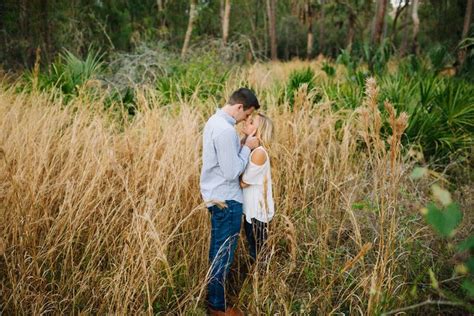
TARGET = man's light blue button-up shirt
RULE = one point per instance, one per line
(223, 159)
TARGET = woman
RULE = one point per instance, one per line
(256, 182)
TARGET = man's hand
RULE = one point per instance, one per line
(243, 185)
(252, 141)
(242, 141)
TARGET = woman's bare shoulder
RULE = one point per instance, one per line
(259, 156)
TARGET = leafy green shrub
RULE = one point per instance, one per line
(125, 98)
(203, 76)
(347, 60)
(441, 110)
(439, 57)
(411, 65)
(73, 71)
(68, 73)
(297, 79)
(444, 119)
(377, 56)
(346, 94)
(467, 70)
(328, 69)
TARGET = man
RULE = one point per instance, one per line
(224, 160)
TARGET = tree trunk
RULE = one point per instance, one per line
(379, 22)
(467, 19)
(404, 44)
(189, 31)
(271, 12)
(350, 31)
(221, 13)
(161, 15)
(24, 29)
(309, 24)
(23, 17)
(225, 16)
(309, 45)
(465, 31)
(46, 29)
(321, 28)
(287, 45)
(416, 26)
(257, 13)
(399, 11)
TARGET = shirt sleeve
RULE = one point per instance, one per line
(231, 157)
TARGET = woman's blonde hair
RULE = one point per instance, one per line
(265, 130)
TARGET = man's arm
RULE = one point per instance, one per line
(232, 161)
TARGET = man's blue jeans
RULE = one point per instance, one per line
(225, 229)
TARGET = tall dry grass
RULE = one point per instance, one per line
(99, 217)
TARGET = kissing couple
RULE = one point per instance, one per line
(236, 185)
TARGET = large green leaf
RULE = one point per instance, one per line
(470, 265)
(444, 221)
(468, 285)
(467, 244)
(418, 173)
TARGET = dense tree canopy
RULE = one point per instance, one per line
(301, 26)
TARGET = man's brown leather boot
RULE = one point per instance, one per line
(231, 311)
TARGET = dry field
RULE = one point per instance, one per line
(100, 214)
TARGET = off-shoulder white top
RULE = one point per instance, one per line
(258, 196)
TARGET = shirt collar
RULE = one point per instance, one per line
(226, 116)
